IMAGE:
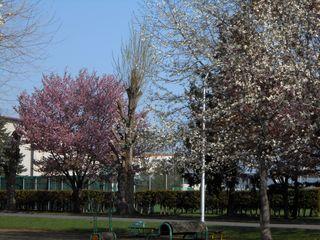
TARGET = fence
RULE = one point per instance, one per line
(142, 183)
(52, 183)
(160, 182)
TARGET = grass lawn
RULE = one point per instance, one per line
(52, 224)
(82, 225)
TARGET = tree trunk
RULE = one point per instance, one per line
(295, 198)
(125, 194)
(286, 198)
(230, 209)
(10, 190)
(264, 203)
(130, 191)
(76, 200)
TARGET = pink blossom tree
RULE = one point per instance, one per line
(71, 119)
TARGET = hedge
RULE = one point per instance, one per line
(246, 202)
(169, 202)
(58, 201)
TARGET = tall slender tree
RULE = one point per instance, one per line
(133, 68)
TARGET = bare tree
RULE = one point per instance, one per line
(22, 36)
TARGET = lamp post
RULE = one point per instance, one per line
(204, 140)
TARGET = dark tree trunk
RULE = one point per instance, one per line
(125, 193)
(231, 199)
(130, 192)
(76, 200)
(10, 177)
(286, 198)
(76, 182)
(295, 198)
(264, 203)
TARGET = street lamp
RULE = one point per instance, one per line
(204, 140)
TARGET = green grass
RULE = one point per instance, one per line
(83, 225)
(51, 224)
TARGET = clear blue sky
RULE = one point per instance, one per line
(90, 34)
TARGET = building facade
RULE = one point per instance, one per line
(29, 155)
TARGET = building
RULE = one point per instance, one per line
(29, 155)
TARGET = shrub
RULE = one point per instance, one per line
(169, 201)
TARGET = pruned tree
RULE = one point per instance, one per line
(71, 120)
(133, 68)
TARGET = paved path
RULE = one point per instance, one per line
(210, 223)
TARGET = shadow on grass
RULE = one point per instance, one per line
(243, 233)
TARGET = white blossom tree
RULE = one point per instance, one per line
(265, 56)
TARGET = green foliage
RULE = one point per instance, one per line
(10, 156)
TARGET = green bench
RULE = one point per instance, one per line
(139, 229)
(181, 230)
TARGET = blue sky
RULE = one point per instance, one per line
(87, 33)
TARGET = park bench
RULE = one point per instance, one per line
(139, 229)
(181, 230)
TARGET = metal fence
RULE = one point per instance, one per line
(52, 183)
(160, 182)
(142, 183)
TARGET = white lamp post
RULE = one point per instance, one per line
(203, 170)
